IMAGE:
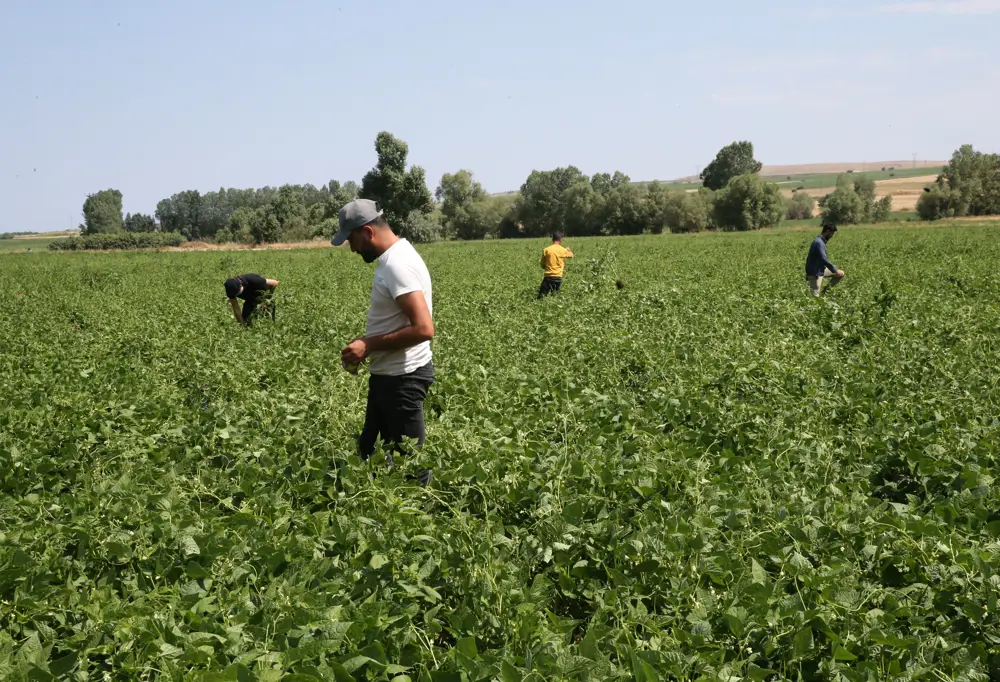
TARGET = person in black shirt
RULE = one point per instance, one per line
(254, 290)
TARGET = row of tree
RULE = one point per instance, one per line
(562, 199)
(968, 186)
(733, 197)
(268, 214)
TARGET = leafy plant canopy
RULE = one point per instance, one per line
(704, 474)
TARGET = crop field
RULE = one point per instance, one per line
(824, 180)
(705, 474)
(22, 244)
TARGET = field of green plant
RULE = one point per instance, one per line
(22, 245)
(703, 475)
(823, 180)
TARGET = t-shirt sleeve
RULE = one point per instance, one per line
(402, 279)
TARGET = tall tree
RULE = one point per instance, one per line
(732, 160)
(456, 191)
(543, 203)
(622, 210)
(748, 203)
(139, 222)
(102, 212)
(973, 179)
(854, 202)
(397, 190)
(182, 213)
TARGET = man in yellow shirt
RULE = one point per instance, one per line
(553, 261)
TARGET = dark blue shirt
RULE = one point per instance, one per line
(817, 261)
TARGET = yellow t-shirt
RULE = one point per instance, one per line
(554, 260)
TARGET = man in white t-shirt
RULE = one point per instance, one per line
(397, 340)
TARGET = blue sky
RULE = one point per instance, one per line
(153, 98)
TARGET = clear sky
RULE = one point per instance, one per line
(153, 97)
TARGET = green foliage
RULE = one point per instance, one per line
(800, 207)
(621, 210)
(325, 229)
(117, 241)
(882, 210)
(972, 179)
(937, 202)
(424, 228)
(483, 218)
(140, 222)
(566, 200)
(864, 187)
(748, 203)
(721, 479)
(298, 210)
(854, 202)
(732, 161)
(469, 212)
(265, 225)
(102, 212)
(843, 207)
(546, 199)
(397, 190)
(685, 211)
(456, 191)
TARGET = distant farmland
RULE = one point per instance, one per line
(35, 242)
(819, 180)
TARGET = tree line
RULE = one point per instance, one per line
(968, 186)
(732, 197)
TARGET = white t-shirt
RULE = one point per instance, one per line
(400, 270)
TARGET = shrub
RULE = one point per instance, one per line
(854, 202)
(296, 231)
(423, 227)
(882, 210)
(688, 211)
(748, 203)
(935, 203)
(118, 241)
(800, 207)
(843, 207)
(325, 229)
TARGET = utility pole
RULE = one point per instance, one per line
(914, 159)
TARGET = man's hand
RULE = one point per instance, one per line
(237, 313)
(354, 352)
(840, 273)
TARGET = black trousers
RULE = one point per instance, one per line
(250, 307)
(395, 409)
(550, 285)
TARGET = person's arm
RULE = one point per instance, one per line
(569, 253)
(420, 329)
(237, 313)
(272, 284)
(823, 257)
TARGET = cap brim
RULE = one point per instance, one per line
(340, 237)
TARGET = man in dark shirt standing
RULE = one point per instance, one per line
(253, 289)
(818, 265)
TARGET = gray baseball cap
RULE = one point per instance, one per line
(356, 214)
